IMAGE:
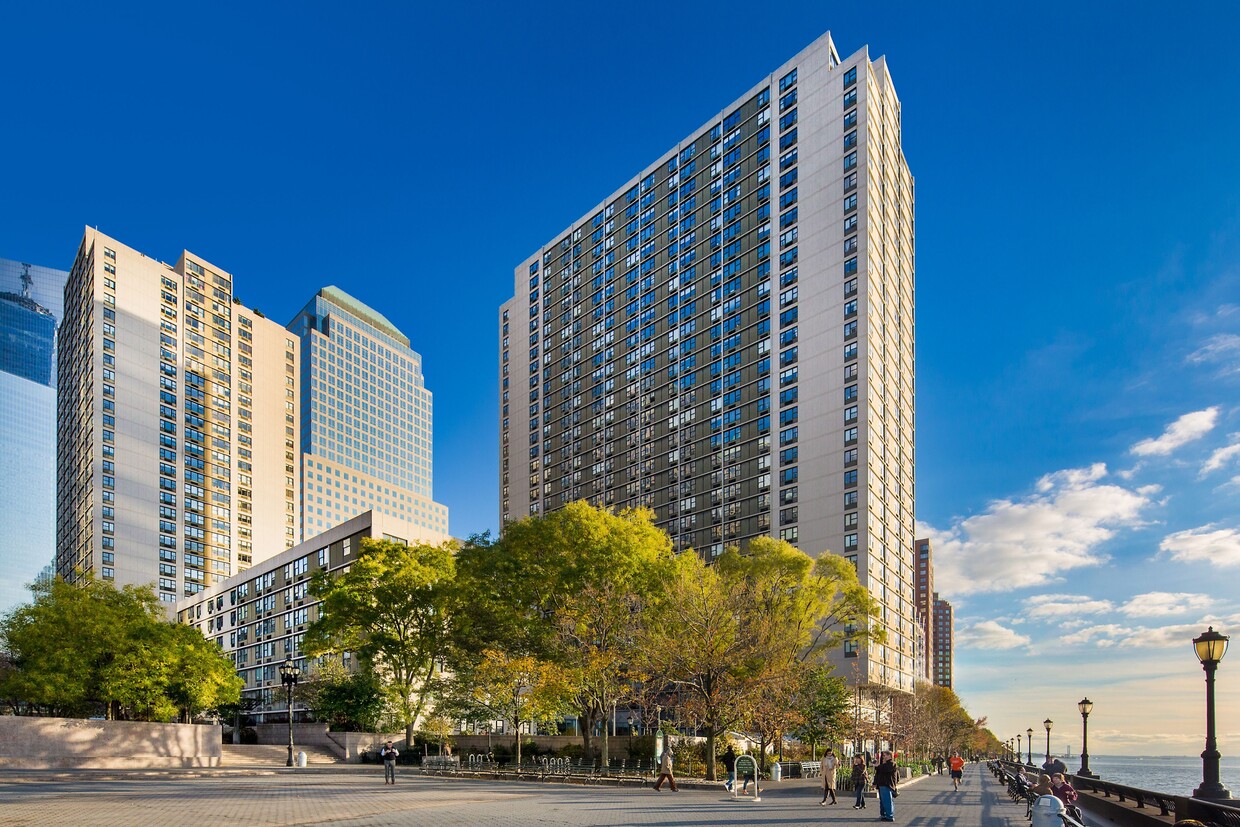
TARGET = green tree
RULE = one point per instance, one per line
(722, 634)
(568, 588)
(392, 608)
(519, 690)
(352, 701)
(77, 649)
(825, 703)
(201, 678)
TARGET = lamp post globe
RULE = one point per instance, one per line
(1029, 744)
(289, 673)
(1086, 706)
(1048, 723)
(1210, 648)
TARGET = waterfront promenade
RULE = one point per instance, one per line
(360, 799)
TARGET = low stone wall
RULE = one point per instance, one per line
(352, 745)
(68, 743)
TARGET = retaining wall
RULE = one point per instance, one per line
(67, 743)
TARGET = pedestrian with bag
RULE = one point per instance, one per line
(860, 780)
(885, 781)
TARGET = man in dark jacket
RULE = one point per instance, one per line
(1054, 765)
(885, 781)
(729, 763)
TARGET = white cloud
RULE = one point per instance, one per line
(989, 634)
(1203, 545)
(1162, 604)
(1018, 543)
(1186, 429)
(1221, 348)
(1222, 456)
(1178, 635)
(1051, 606)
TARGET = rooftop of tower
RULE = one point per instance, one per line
(362, 311)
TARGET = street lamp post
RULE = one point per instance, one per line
(630, 736)
(1029, 745)
(289, 672)
(1086, 706)
(1210, 647)
(1018, 748)
(1047, 723)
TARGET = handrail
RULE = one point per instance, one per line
(1168, 804)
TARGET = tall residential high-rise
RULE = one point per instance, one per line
(728, 340)
(366, 437)
(943, 634)
(177, 424)
(30, 308)
(924, 559)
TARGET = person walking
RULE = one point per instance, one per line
(887, 785)
(827, 767)
(938, 764)
(860, 780)
(729, 763)
(957, 769)
(665, 770)
(389, 754)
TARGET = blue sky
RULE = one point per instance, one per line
(1078, 257)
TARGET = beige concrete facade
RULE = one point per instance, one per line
(176, 427)
(259, 618)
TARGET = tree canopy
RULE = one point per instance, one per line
(392, 608)
(570, 589)
(89, 647)
(730, 636)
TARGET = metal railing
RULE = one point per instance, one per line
(1167, 805)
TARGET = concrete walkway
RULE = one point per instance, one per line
(358, 799)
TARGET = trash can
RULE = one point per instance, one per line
(777, 772)
(301, 759)
(1047, 812)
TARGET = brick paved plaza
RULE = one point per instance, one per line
(352, 797)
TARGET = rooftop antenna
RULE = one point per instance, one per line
(27, 282)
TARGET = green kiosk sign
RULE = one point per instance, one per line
(747, 767)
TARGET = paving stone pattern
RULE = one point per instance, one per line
(355, 798)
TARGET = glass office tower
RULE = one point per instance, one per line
(31, 301)
(366, 416)
(728, 340)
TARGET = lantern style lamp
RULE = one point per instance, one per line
(1210, 648)
(1086, 706)
(289, 673)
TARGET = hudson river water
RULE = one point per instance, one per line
(1178, 775)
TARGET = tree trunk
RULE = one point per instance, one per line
(710, 755)
(409, 735)
(517, 723)
(587, 732)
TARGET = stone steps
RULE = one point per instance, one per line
(274, 755)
